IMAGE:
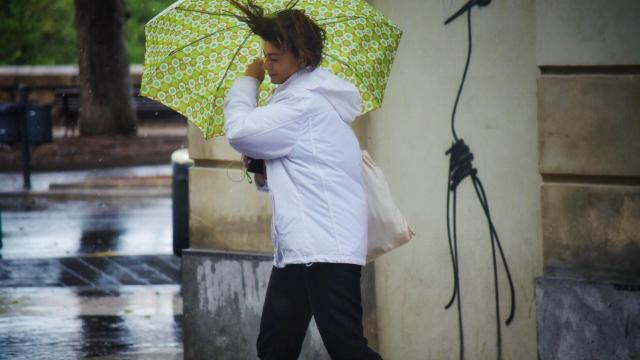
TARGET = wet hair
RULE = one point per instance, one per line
(289, 30)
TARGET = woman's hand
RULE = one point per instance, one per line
(256, 70)
(245, 161)
(260, 179)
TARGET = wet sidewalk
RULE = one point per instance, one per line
(40, 227)
(89, 277)
(137, 322)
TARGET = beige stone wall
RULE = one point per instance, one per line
(226, 212)
(408, 137)
(591, 231)
(589, 129)
(589, 132)
(589, 124)
(587, 32)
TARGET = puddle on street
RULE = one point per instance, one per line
(59, 303)
(69, 323)
(37, 228)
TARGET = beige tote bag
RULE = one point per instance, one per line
(388, 228)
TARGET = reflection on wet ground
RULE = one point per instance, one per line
(41, 227)
(89, 279)
(129, 321)
(61, 323)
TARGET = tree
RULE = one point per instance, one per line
(42, 32)
(105, 82)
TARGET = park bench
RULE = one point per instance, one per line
(67, 100)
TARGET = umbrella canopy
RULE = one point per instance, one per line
(196, 49)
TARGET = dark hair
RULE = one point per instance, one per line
(289, 29)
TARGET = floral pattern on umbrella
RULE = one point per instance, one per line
(196, 49)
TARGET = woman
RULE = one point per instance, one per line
(313, 164)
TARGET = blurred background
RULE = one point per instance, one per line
(88, 262)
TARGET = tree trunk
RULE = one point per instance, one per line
(105, 82)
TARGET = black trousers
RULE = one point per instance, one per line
(328, 292)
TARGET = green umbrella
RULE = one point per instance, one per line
(196, 49)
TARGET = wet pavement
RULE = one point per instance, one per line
(90, 271)
(88, 278)
(76, 323)
(43, 227)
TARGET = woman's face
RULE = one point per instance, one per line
(279, 64)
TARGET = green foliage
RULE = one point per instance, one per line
(37, 32)
(43, 32)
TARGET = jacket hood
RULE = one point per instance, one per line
(341, 94)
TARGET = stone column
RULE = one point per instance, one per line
(589, 133)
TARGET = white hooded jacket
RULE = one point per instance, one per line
(313, 162)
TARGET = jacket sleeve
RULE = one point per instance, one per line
(261, 132)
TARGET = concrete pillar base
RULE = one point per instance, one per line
(223, 293)
(587, 320)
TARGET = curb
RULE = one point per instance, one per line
(89, 193)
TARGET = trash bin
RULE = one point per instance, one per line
(180, 199)
(9, 129)
(39, 122)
